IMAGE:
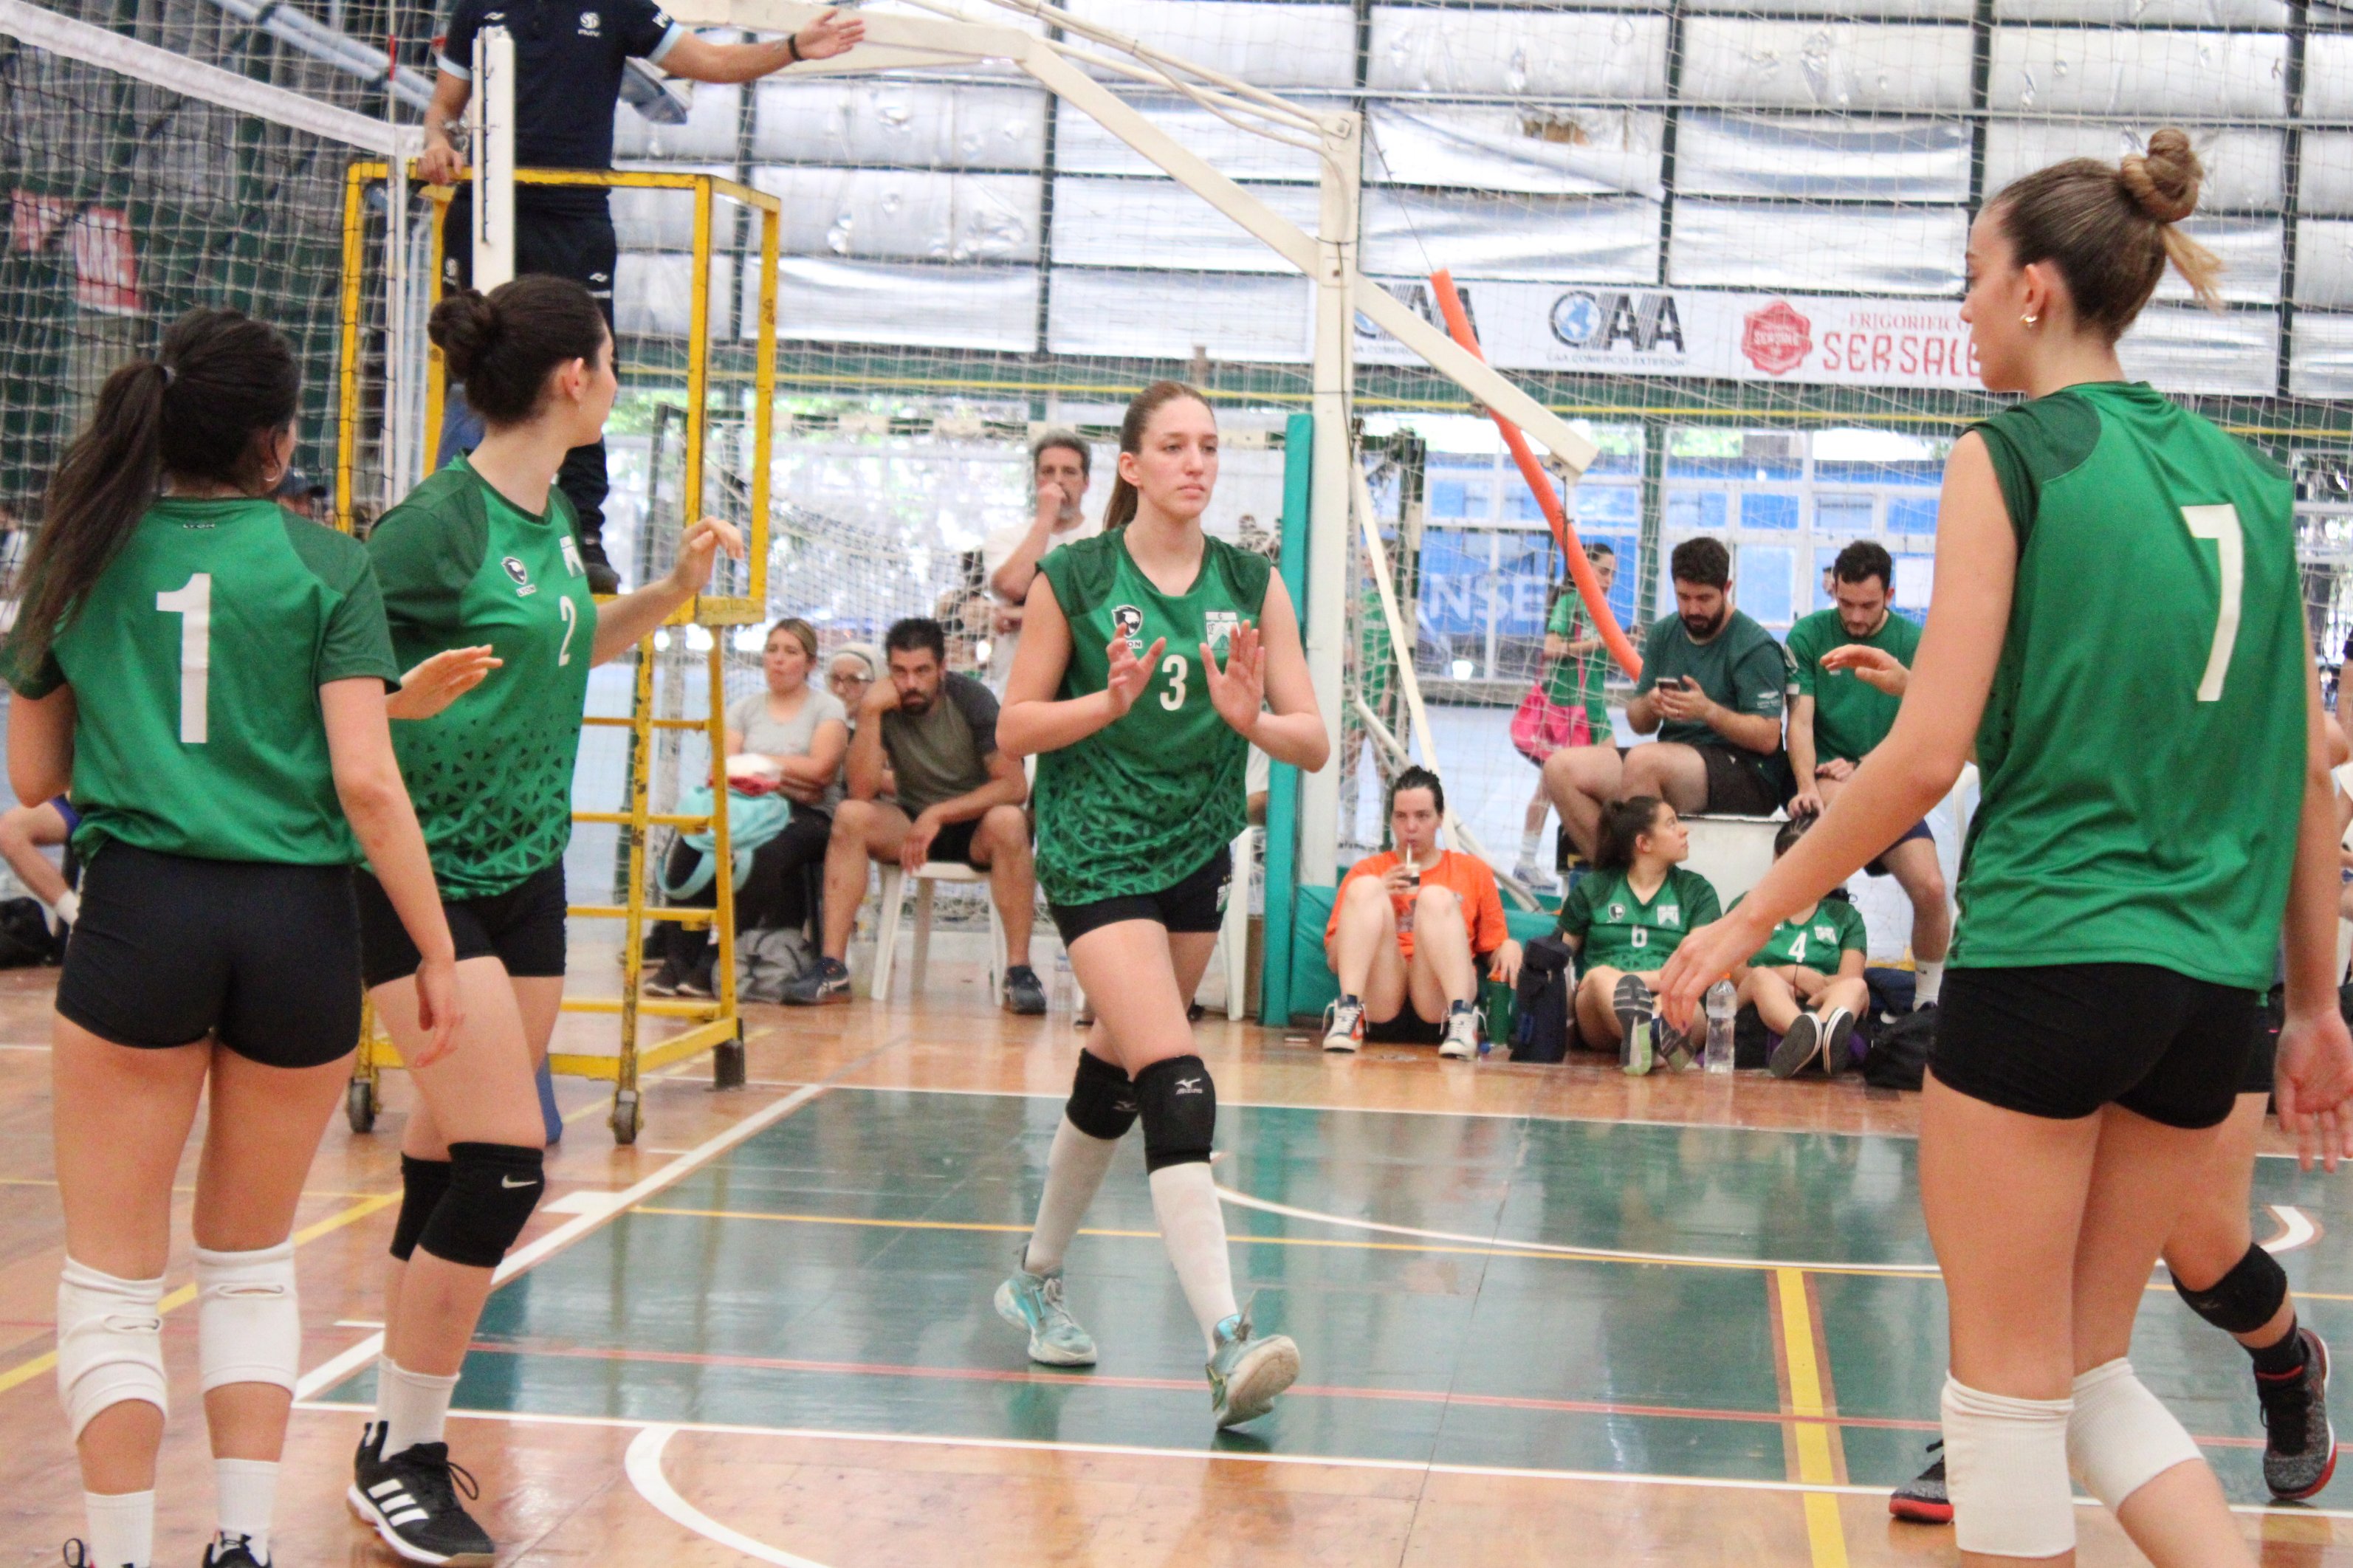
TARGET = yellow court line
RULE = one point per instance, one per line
(1823, 1533)
(24, 1372)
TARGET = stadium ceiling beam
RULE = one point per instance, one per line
(900, 42)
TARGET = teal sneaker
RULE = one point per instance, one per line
(1247, 1372)
(1034, 1302)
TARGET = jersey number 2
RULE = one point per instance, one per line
(192, 602)
(570, 613)
(2221, 524)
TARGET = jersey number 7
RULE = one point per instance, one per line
(2221, 524)
(193, 602)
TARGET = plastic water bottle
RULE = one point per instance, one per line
(1719, 1026)
(1063, 985)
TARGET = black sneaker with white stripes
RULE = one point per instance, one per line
(231, 1551)
(411, 1500)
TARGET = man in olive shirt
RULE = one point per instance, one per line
(1836, 718)
(1713, 688)
(959, 799)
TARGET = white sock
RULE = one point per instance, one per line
(121, 1528)
(413, 1405)
(1193, 1229)
(1528, 844)
(1927, 979)
(248, 1491)
(67, 909)
(1075, 1173)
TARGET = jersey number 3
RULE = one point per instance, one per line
(2221, 524)
(193, 602)
(1174, 668)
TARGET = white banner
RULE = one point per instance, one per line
(1623, 330)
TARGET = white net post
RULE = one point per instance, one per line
(1330, 501)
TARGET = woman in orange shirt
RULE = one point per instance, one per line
(1410, 931)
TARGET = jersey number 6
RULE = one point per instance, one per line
(193, 602)
(2221, 524)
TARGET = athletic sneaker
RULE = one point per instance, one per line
(1023, 995)
(232, 1551)
(698, 983)
(1461, 1039)
(2299, 1445)
(828, 982)
(1800, 1045)
(1034, 1301)
(1636, 1013)
(1671, 1045)
(1923, 1500)
(663, 981)
(411, 1500)
(1838, 1035)
(1536, 878)
(1247, 1372)
(1343, 1025)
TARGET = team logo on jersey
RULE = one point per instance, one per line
(1617, 912)
(1670, 915)
(1826, 933)
(589, 23)
(1128, 621)
(571, 565)
(1220, 627)
(524, 586)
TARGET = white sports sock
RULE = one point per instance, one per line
(248, 1493)
(1928, 978)
(1529, 842)
(413, 1405)
(1075, 1173)
(67, 909)
(121, 1528)
(1193, 1229)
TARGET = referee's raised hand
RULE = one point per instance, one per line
(829, 35)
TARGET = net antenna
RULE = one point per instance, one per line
(948, 36)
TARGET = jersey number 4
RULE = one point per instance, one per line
(2221, 524)
(193, 602)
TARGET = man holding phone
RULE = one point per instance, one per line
(1714, 687)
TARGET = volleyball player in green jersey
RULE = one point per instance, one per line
(1806, 983)
(1622, 936)
(208, 672)
(2118, 627)
(483, 553)
(1149, 658)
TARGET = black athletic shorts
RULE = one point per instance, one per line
(1198, 903)
(953, 842)
(1740, 782)
(2063, 1040)
(169, 948)
(522, 928)
(1917, 830)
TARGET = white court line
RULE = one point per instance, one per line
(337, 1368)
(2297, 1229)
(43, 1049)
(1615, 1255)
(1140, 1451)
(645, 1469)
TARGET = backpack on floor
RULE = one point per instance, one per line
(24, 936)
(769, 959)
(1898, 1057)
(1540, 1021)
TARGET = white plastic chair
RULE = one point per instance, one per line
(894, 898)
(1234, 935)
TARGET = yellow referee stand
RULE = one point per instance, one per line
(715, 1024)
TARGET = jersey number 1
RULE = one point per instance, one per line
(2221, 524)
(192, 602)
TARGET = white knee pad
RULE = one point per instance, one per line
(2121, 1437)
(110, 1342)
(249, 1323)
(2006, 1468)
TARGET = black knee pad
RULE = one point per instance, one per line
(2245, 1298)
(1180, 1105)
(423, 1183)
(1103, 1101)
(494, 1187)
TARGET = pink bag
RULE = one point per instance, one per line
(1541, 726)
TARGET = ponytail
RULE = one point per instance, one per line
(1121, 511)
(205, 408)
(1623, 822)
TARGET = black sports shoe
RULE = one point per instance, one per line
(411, 1500)
(664, 980)
(828, 982)
(2299, 1445)
(1798, 1047)
(1023, 995)
(602, 578)
(227, 1551)
(1838, 1036)
(1923, 1500)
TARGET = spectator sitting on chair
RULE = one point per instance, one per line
(1836, 718)
(790, 738)
(1713, 685)
(1806, 983)
(958, 798)
(1412, 930)
(1623, 919)
(24, 832)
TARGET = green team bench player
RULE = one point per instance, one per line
(1836, 718)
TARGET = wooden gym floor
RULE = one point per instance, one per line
(1546, 1314)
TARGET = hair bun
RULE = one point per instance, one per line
(463, 327)
(2164, 181)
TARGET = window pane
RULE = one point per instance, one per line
(1768, 509)
(1700, 512)
(1915, 579)
(1763, 579)
(1912, 514)
(1843, 517)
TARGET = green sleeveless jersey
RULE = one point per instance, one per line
(195, 661)
(491, 774)
(1149, 799)
(1623, 930)
(2142, 747)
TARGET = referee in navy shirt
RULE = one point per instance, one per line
(568, 64)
